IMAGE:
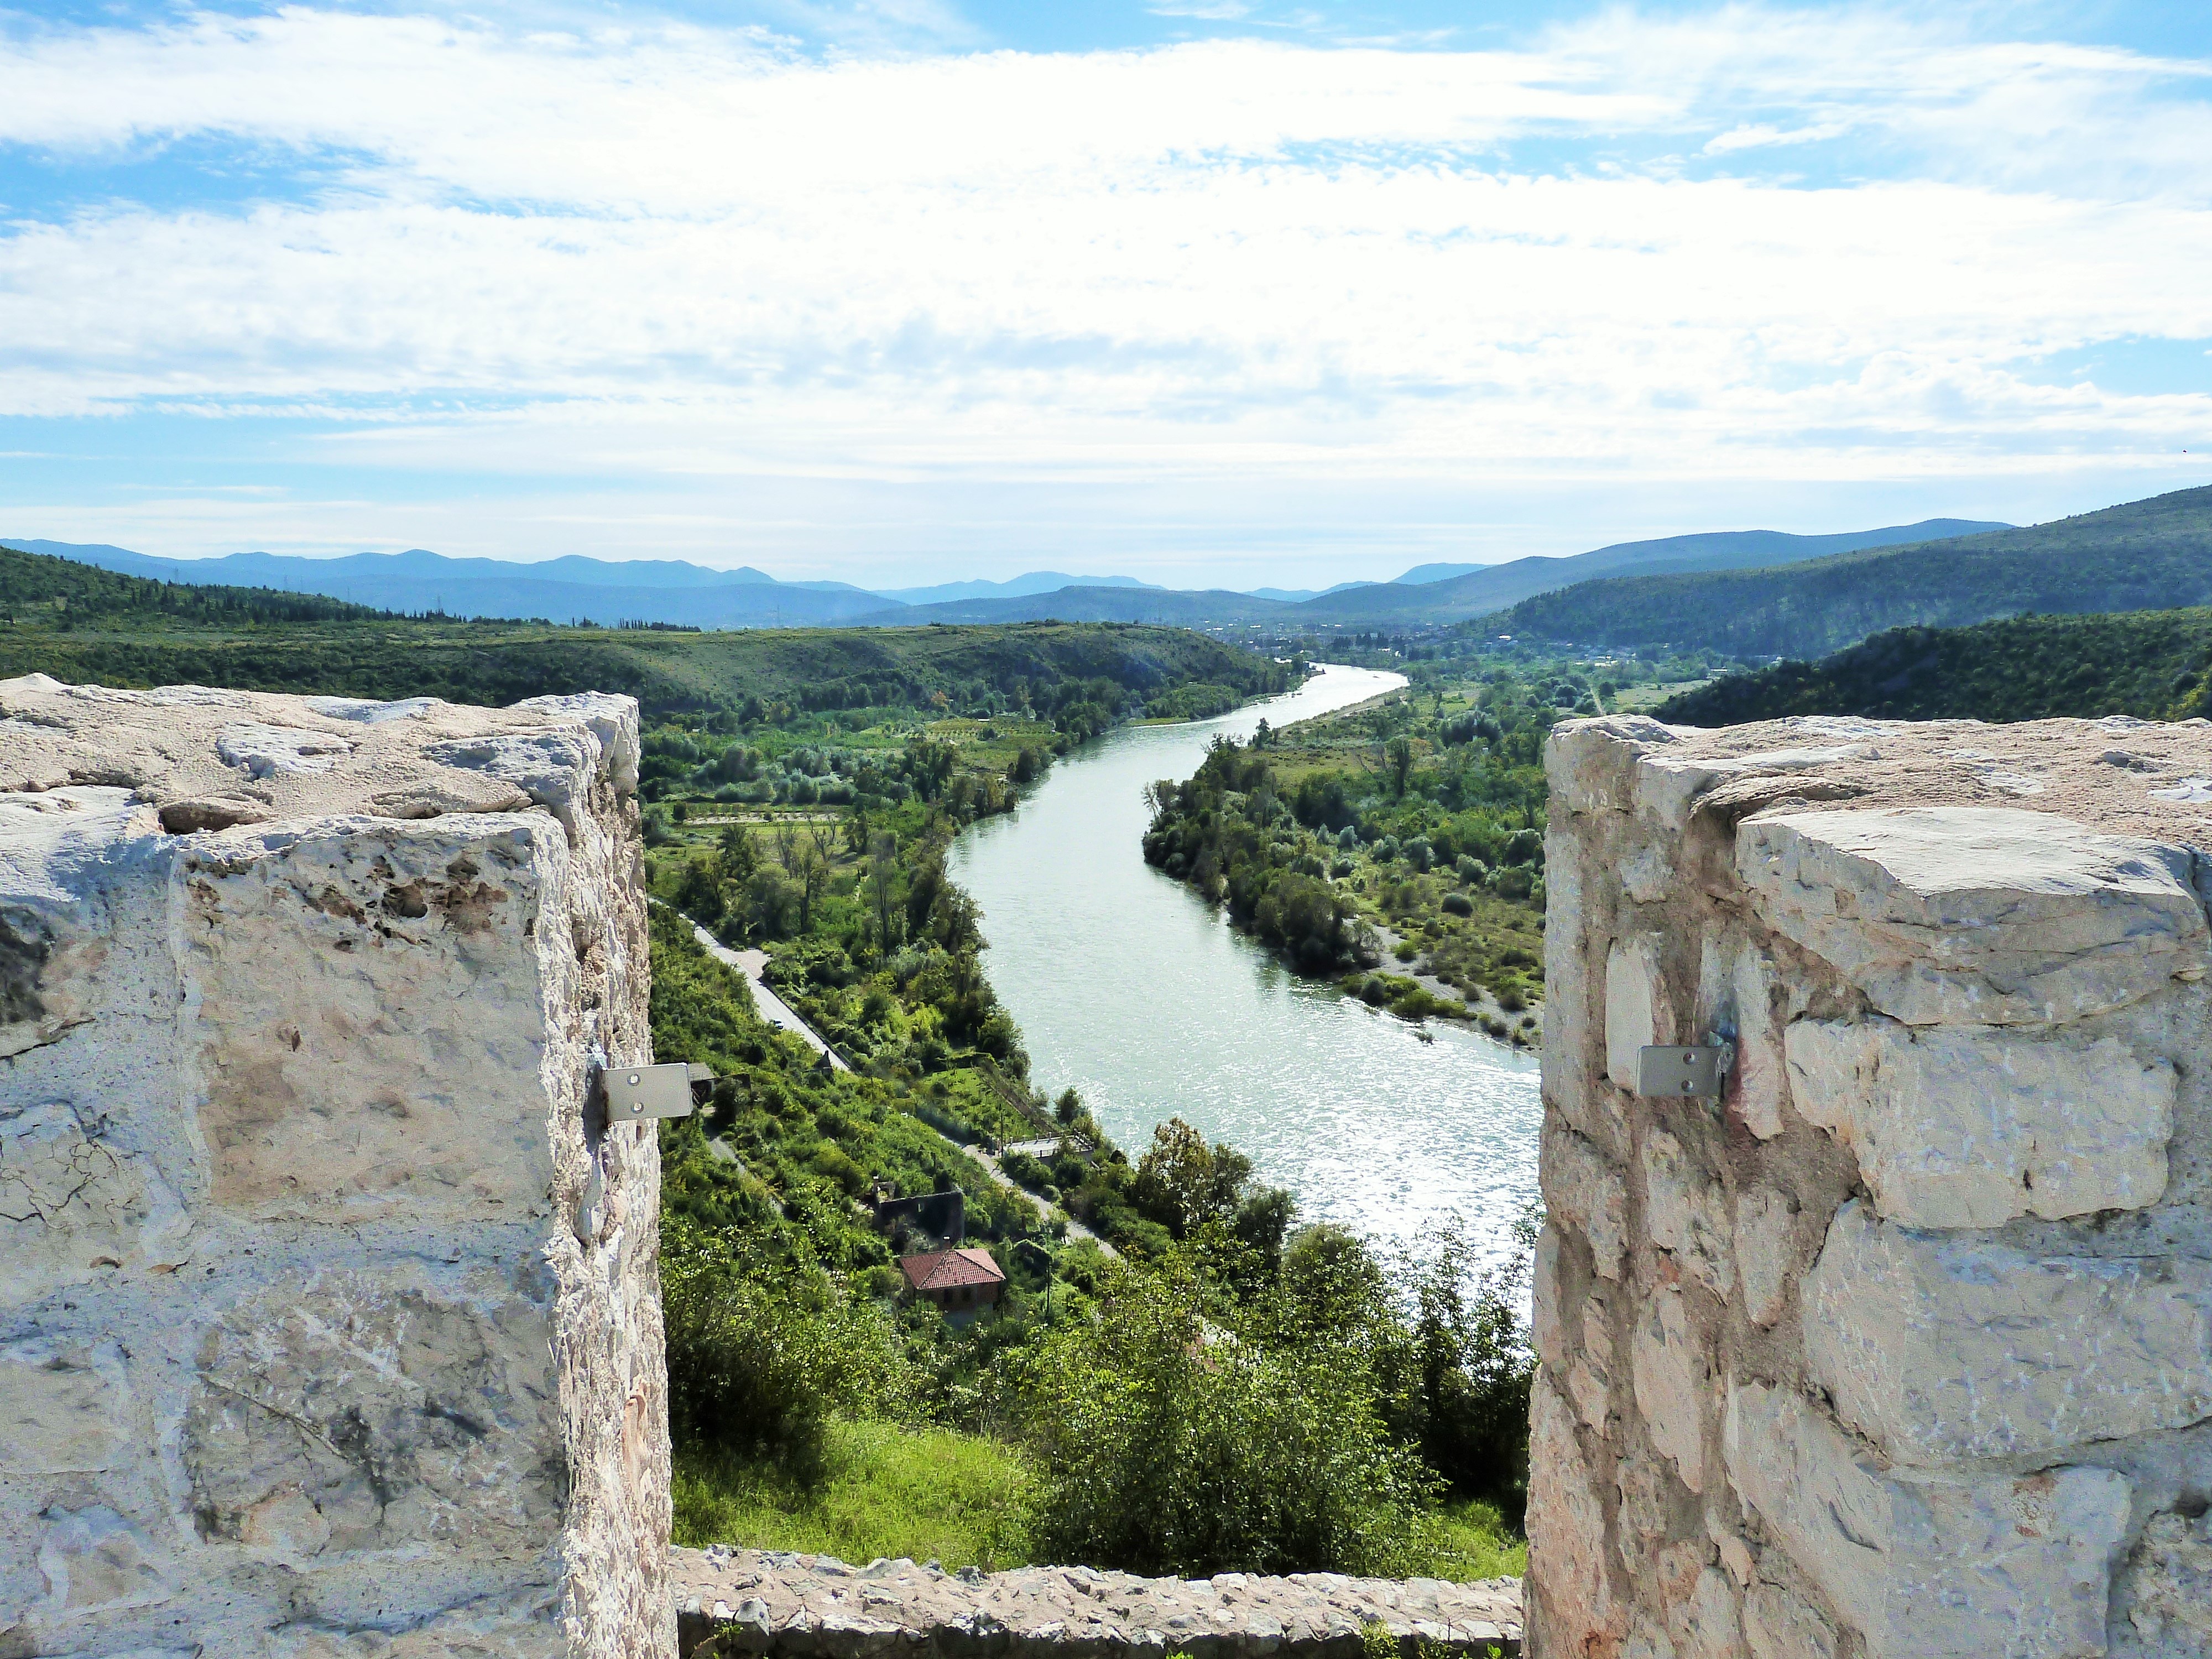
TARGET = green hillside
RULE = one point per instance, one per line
(2144, 556)
(37, 591)
(2152, 664)
(76, 623)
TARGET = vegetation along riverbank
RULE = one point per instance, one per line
(1351, 1411)
(1229, 1390)
(1398, 846)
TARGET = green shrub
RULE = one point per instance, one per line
(763, 1349)
(1167, 1443)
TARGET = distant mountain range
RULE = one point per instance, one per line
(2151, 555)
(571, 588)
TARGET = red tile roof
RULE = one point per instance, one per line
(950, 1270)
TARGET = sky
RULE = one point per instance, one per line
(1207, 292)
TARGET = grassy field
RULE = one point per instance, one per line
(961, 1500)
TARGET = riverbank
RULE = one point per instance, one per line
(1129, 987)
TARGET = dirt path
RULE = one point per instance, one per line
(773, 1008)
(1075, 1229)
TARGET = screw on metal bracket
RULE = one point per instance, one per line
(635, 1093)
(1684, 1071)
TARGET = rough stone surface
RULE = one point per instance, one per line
(1986, 915)
(1902, 1346)
(1582, 1187)
(299, 1351)
(1968, 1566)
(748, 1601)
(1972, 1126)
(1944, 1347)
(2168, 1584)
(1638, 1009)
(1566, 1526)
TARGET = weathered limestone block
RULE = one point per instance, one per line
(1639, 1007)
(1925, 1566)
(1566, 1527)
(1685, 1212)
(1972, 1126)
(1780, 1624)
(2167, 1586)
(1583, 1190)
(1942, 1347)
(1668, 1365)
(301, 1350)
(1977, 915)
(1765, 1252)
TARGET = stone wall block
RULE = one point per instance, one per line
(1780, 1624)
(299, 1351)
(1972, 1126)
(1673, 1383)
(1685, 1213)
(368, 1010)
(1765, 1253)
(1591, 764)
(1943, 1347)
(1639, 1007)
(1571, 1608)
(1582, 1188)
(2166, 1587)
(1573, 1052)
(1926, 1567)
(1977, 915)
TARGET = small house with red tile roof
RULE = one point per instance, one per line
(959, 1281)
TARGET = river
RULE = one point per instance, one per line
(1130, 987)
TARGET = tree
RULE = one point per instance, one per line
(1398, 762)
(811, 871)
(736, 856)
(1182, 1184)
(881, 880)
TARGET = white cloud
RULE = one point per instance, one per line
(687, 253)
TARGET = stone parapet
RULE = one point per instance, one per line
(303, 1351)
(732, 1602)
(1901, 1345)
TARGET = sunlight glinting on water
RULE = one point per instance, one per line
(1134, 990)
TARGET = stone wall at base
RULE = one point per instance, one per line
(302, 1353)
(1902, 1346)
(754, 1602)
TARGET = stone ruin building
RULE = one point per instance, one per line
(1901, 1343)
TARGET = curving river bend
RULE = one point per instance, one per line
(1140, 994)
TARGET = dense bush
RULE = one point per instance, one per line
(1169, 1443)
(762, 1350)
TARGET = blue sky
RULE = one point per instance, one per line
(1208, 292)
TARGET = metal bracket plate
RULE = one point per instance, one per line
(1690, 1070)
(635, 1093)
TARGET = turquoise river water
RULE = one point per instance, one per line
(1135, 991)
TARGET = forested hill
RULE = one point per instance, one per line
(2152, 664)
(37, 591)
(79, 623)
(2149, 555)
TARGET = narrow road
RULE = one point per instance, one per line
(1075, 1229)
(772, 1009)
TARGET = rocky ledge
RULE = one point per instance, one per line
(734, 1601)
